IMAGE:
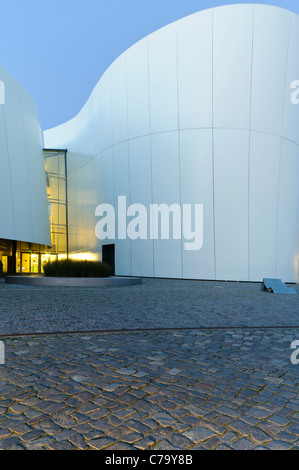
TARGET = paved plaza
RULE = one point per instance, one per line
(202, 365)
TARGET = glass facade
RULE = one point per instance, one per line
(30, 258)
(8, 255)
(56, 175)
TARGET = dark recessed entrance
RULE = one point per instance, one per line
(108, 257)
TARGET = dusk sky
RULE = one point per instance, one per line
(59, 49)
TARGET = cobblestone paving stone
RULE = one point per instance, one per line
(230, 388)
(157, 303)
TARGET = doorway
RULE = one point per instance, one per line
(108, 257)
(5, 263)
(26, 263)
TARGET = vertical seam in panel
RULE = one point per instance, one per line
(28, 174)
(102, 195)
(113, 195)
(113, 166)
(213, 149)
(179, 148)
(74, 207)
(286, 73)
(150, 140)
(112, 137)
(9, 169)
(281, 140)
(296, 269)
(249, 143)
(128, 146)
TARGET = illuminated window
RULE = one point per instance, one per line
(56, 170)
(29, 257)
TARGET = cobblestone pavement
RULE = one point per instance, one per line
(227, 388)
(153, 304)
(211, 389)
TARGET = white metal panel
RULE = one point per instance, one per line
(105, 127)
(263, 194)
(119, 100)
(94, 122)
(163, 79)
(291, 110)
(55, 137)
(270, 49)
(195, 70)
(121, 171)
(7, 224)
(231, 153)
(72, 227)
(23, 205)
(232, 58)
(138, 90)
(122, 189)
(141, 193)
(83, 130)
(165, 168)
(174, 163)
(74, 193)
(197, 188)
(98, 195)
(72, 131)
(166, 190)
(72, 220)
(84, 180)
(106, 183)
(296, 254)
(36, 172)
(287, 212)
(107, 180)
(90, 241)
(18, 163)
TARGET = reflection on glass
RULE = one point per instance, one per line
(25, 263)
(5, 263)
(62, 215)
(55, 165)
(61, 190)
(18, 262)
(34, 263)
(45, 258)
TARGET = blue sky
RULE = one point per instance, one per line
(58, 49)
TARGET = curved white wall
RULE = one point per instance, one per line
(197, 112)
(23, 198)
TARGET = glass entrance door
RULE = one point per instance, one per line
(34, 263)
(25, 263)
(5, 263)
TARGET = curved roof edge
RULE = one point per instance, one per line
(231, 5)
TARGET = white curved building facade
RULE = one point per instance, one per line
(198, 112)
(23, 197)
